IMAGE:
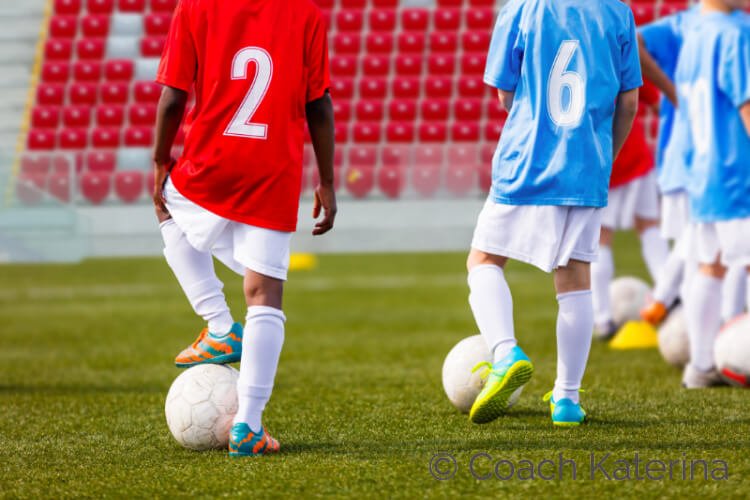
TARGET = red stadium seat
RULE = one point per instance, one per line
(669, 8)
(114, 93)
(100, 6)
(485, 177)
(473, 64)
(30, 188)
(87, 71)
(157, 24)
(77, 116)
(382, 20)
(163, 5)
(49, 94)
(343, 66)
(467, 109)
(373, 88)
(480, 19)
(492, 131)
(146, 92)
(90, 48)
(82, 93)
(475, 41)
(379, 43)
(118, 70)
(67, 7)
(349, 20)
(433, 132)
(414, 19)
(95, 26)
(342, 110)
(106, 137)
(353, 4)
(61, 26)
(360, 180)
(131, 5)
(481, 3)
(152, 46)
(61, 164)
(363, 155)
(447, 19)
(450, 3)
(402, 110)
(441, 64)
(438, 87)
(110, 116)
(400, 132)
(469, 86)
(644, 13)
(142, 114)
(55, 72)
(369, 110)
(138, 136)
(409, 65)
(95, 186)
(45, 117)
(465, 131)
(391, 180)
(385, 3)
(429, 155)
(443, 42)
(495, 111)
(129, 185)
(376, 65)
(41, 139)
(463, 154)
(434, 110)
(101, 161)
(347, 43)
(460, 179)
(411, 42)
(73, 138)
(342, 88)
(35, 164)
(58, 49)
(405, 87)
(58, 186)
(366, 132)
(396, 154)
(426, 179)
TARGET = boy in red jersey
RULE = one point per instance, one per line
(234, 191)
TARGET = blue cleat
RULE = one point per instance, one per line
(243, 442)
(213, 348)
(505, 377)
(565, 413)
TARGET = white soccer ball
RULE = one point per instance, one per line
(674, 344)
(461, 385)
(627, 296)
(201, 405)
(732, 351)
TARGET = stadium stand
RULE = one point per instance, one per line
(413, 118)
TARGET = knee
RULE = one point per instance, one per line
(479, 258)
(715, 270)
(264, 292)
(642, 225)
(605, 237)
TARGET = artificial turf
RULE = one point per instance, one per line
(86, 362)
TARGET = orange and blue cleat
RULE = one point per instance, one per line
(213, 348)
(243, 442)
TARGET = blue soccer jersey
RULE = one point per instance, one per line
(713, 82)
(567, 61)
(663, 40)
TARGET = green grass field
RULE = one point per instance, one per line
(86, 362)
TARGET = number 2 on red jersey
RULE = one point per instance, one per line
(241, 126)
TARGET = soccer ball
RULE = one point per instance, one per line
(627, 296)
(732, 351)
(461, 385)
(201, 405)
(674, 345)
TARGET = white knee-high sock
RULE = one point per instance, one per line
(667, 286)
(703, 318)
(733, 293)
(261, 348)
(655, 251)
(575, 324)
(492, 305)
(602, 272)
(194, 271)
(747, 292)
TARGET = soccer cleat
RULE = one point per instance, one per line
(504, 378)
(212, 348)
(693, 378)
(565, 413)
(654, 313)
(243, 442)
(605, 331)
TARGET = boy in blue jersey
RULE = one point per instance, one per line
(568, 73)
(713, 83)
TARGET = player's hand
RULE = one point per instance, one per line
(161, 171)
(325, 201)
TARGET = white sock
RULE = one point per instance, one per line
(733, 293)
(194, 271)
(702, 314)
(655, 251)
(261, 348)
(747, 291)
(667, 286)
(575, 323)
(492, 305)
(602, 272)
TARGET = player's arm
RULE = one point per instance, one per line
(320, 122)
(169, 115)
(626, 109)
(506, 98)
(653, 72)
(745, 116)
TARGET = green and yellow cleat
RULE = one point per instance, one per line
(565, 413)
(212, 348)
(505, 377)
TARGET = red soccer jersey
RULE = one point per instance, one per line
(636, 158)
(254, 64)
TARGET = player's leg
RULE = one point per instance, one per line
(654, 247)
(733, 294)
(602, 272)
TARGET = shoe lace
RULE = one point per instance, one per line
(482, 365)
(201, 336)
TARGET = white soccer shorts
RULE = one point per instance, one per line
(729, 238)
(637, 198)
(675, 214)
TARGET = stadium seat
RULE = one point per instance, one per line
(363, 155)
(349, 20)
(61, 26)
(360, 180)
(163, 5)
(95, 186)
(95, 26)
(110, 116)
(343, 66)
(131, 5)
(72, 138)
(405, 88)
(342, 110)
(382, 20)
(473, 64)
(373, 65)
(58, 49)
(495, 110)
(369, 110)
(467, 109)
(28, 189)
(425, 178)
(450, 3)
(58, 185)
(55, 72)
(400, 132)
(353, 4)
(77, 117)
(157, 24)
(391, 180)
(142, 114)
(465, 131)
(129, 185)
(118, 70)
(434, 110)
(152, 46)
(366, 132)
(347, 43)
(471, 86)
(492, 131)
(480, 19)
(341, 132)
(385, 3)
(408, 65)
(441, 64)
(49, 94)
(460, 179)
(138, 136)
(373, 88)
(643, 12)
(475, 41)
(106, 137)
(87, 71)
(429, 154)
(446, 19)
(342, 88)
(443, 42)
(45, 116)
(82, 93)
(438, 87)
(146, 92)
(396, 154)
(100, 161)
(67, 7)
(100, 6)
(114, 93)
(414, 19)
(90, 48)
(411, 42)
(41, 139)
(379, 43)
(484, 177)
(433, 132)
(402, 110)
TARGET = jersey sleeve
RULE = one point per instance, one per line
(179, 59)
(503, 68)
(316, 59)
(662, 40)
(734, 68)
(630, 73)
